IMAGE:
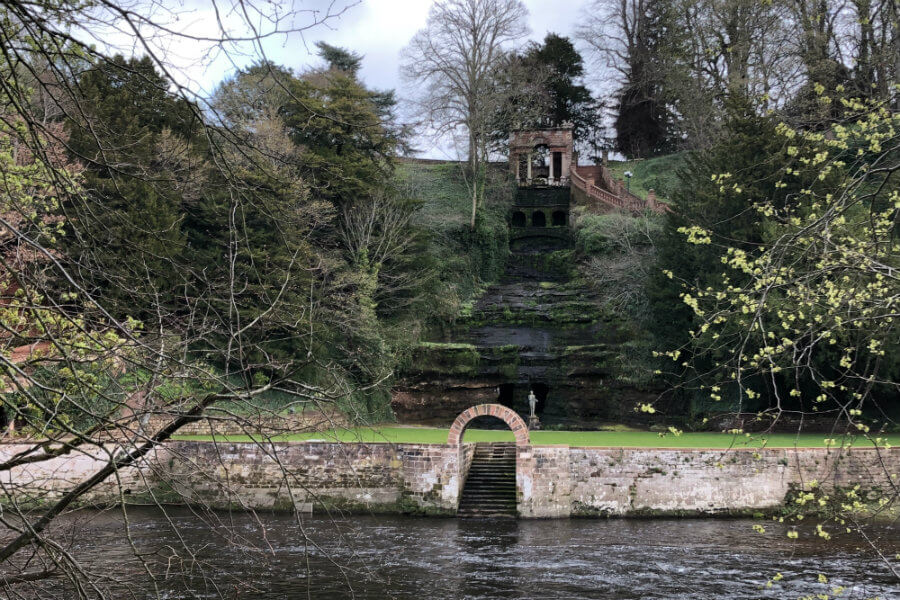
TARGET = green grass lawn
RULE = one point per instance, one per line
(657, 173)
(622, 439)
(441, 187)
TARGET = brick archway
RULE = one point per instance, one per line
(507, 415)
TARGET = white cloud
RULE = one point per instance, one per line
(377, 29)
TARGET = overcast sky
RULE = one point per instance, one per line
(377, 29)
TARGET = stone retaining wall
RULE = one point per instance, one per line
(375, 477)
(552, 481)
(40, 483)
(559, 481)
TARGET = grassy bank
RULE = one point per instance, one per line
(617, 439)
(464, 259)
(658, 174)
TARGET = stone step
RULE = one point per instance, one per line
(490, 500)
(498, 470)
(490, 488)
(493, 515)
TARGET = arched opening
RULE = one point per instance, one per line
(559, 218)
(556, 171)
(485, 423)
(507, 415)
(540, 162)
(538, 219)
(489, 473)
(522, 167)
(541, 391)
(519, 219)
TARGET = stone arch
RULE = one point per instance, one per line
(540, 161)
(538, 219)
(507, 415)
(519, 219)
(559, 218)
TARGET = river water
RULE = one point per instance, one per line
(275, 557)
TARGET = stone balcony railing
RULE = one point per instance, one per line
(611, 192)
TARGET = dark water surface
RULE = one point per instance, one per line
(275, 557)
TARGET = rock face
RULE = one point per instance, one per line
(538, 329)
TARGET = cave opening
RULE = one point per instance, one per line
(541, 391)
(506, 394)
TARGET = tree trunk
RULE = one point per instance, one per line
(473, 165)
(474, 201)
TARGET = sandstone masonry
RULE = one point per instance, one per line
(552, 481)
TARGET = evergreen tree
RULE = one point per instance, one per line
(543, 87)
(702, 200)
(708, 197)
(340, 59)
(346, 133)
(127, 228)
(571, 101)
(643, 121)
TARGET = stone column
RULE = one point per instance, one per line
(551, 167)
(530, 160)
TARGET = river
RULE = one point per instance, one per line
(275, 557)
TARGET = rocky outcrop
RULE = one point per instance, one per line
(539, 328)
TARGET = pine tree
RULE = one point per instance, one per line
(571, 101)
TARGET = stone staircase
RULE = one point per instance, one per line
(490, 488)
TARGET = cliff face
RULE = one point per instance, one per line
(540, 328)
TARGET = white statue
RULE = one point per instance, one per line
(532, 402)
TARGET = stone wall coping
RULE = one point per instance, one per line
(643, 448)
(307, 443)
(741, 449)
(819, 449)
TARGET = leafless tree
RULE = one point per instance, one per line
(453, 61)
(81, 379)
(773, 53)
